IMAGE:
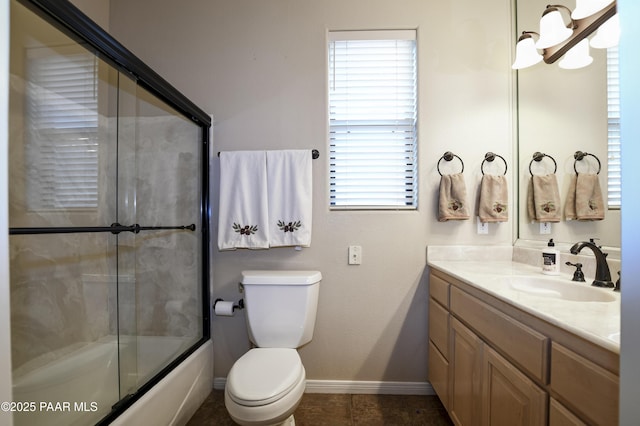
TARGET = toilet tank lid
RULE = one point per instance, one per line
(281, 277)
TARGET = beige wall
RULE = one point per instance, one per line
(97, 10)
(259, 68)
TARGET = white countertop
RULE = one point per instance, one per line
(490, 268)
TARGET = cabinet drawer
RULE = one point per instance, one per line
(438, 370)
(560, 416)
(439, 290)
(585, 387)
(523, 345)
(439, 327)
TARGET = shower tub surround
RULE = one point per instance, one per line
(487, 268)
(108, 225)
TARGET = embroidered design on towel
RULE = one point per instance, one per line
(455, 205)
(593, 205)
(499, 207)
(289, 227)
(245, 230)
(548, 207)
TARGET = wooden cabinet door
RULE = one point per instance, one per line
(559, 415)
(438, 371)
(509, 397)
(465, 375)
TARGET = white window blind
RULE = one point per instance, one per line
(614, 177)
(62, 138)
(372, 119)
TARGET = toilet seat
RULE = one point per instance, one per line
(264, 375)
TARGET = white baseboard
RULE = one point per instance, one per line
(369, 387)
(357, 387)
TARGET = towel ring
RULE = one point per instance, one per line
(448, 156)
(579, 155)
(490, 156)
(538, 156)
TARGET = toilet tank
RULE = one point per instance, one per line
(280, 306)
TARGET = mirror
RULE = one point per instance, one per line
(560, 112)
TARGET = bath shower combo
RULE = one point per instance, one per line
(109, 228)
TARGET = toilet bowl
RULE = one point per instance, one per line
(265, 386)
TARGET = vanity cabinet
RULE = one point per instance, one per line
(508, 396)
(438, 366)
(559, 415)
(465, 375)
(572, 375)
(494, 364)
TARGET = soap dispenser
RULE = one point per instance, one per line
(550, 259)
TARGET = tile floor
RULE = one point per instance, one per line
(342, 410)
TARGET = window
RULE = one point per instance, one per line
(372, 119)
(62, 137)
(614, 176)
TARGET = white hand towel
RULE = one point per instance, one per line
(289, 185)
(243, 216)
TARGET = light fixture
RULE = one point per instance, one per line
(577, 57)
(586, 8)
(526, 53)
(553, 30)
(556, 38)
(608, 34)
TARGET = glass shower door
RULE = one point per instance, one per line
(105, 216)
(159, 302)
(62, 137)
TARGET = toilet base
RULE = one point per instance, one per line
(290, 421)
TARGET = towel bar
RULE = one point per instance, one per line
(315, 154)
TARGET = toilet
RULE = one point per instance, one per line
(266, 384)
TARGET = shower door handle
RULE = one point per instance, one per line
(115, 228)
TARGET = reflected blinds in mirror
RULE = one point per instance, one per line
(613, 125)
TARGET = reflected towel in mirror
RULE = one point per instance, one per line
(584, 198)
(543, 199)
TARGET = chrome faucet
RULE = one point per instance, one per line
(603, 276)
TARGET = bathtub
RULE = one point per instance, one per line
(81, 387)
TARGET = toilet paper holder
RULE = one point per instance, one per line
(240, 304)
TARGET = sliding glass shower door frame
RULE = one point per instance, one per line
(75, 24)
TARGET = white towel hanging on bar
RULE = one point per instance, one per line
(289, 187)
(243, 216)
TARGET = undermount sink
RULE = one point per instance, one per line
(559, 289)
